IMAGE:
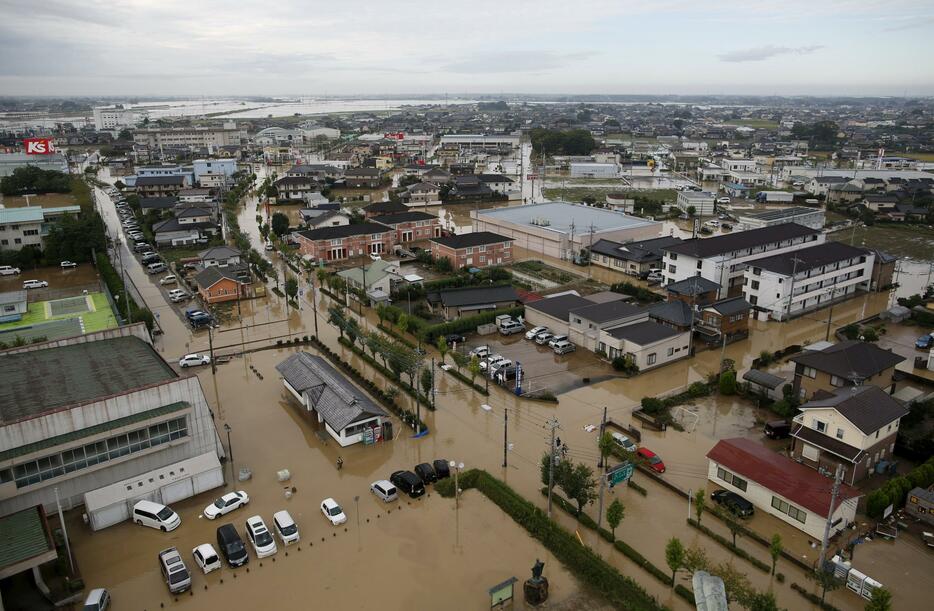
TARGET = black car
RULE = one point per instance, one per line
(231, 545)
(426, 473)
(777, 429)
(734, 502)
(442, 468)
(408, 482)
(454, 338)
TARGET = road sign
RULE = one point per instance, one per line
(620, 474)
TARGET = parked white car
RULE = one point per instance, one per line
(712, 223)
(481, 352)
(542, 338)
(624, 442)
(491, 361)
(8, 270)
(226, 504)
(206, 558)
(723, 200)
(531, 333)
(68, 264)
(35, 284)
(285, 527)
(156, 515)
(499, 366)
(563, 347)
(333, 512)
(263, 543)
(384, 490)
(170, 279)
(176, 295)
(192, 360)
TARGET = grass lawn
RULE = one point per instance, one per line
(47, 200)
(915, 241)
(174, 255)
(38, 312)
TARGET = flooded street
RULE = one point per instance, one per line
(428, 555)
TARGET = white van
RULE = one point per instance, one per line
(155, 268)
(285, 527)
(98, 600)
(154, 515)
(384, 490)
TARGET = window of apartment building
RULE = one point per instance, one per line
(14, 226)
(651, 359)
(672, 269)
(809, 372)
(483, 249)
(673, 256)
(374, 236)
(337, 242)
(671, 351)
(839, 433)
(4, 242)
(17, 241)
(754, 285)
(75, 459)
(468, 251)
(756, 271)
(30, 232)
(731, 479)
(700, 264)
(835, 381)
(820, 426)
(753, 299)
(789, 509)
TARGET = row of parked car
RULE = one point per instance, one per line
(543, 336)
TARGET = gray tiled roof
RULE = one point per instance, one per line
(560, 306)
(330, 394)
(803, 259)
(643, 333)
(675, 312)
(740, 240)
(32, 383)
(695, 285)
(869, 408)
(850, 360)
(605, 312)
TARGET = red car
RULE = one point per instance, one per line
(651, 459)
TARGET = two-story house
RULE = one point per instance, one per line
(222, 256)
(476, 249)
(412, 226)
(854, 427)
(849, 363)
(346, 241)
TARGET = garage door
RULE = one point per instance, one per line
(108, 516)
(177, 491)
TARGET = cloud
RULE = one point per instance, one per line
(758, 54)
(513, 61)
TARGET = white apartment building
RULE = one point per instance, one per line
(723, 259)
(791, 284)
(115, 119)
(193, 137)
(594, 170)
(809, 217)
(479, 141)
(703, 202)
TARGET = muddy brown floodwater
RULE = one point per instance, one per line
(428, 555)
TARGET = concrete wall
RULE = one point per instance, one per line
(137, 329)
(202, 438)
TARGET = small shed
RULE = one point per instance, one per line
(765, 383)
(13, 306)
(896, 314)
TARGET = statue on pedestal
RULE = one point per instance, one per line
(536, 588)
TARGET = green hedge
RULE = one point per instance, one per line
(814, 598)
(343, 341)
(466, 323)
(762, 566)
(586, 565)
(894, 491)
(407, 416)
(619, 544)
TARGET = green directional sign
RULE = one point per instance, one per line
(620, 474)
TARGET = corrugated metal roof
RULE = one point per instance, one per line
(111, 425)
(23, 535)
(30, 214)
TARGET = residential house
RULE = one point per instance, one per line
(781, 487)
(379, 279)
(696, 291)
(883, 270)
(318, 171)
(586, 322)
(12, 306)
(849, 363)
(171, 232)
(498, 183)
(217, 284)
(425, 193)
(722, 259)
(470, 186)
(317, 218)
(477, 249)
(437, 176)
(411, 226)
(381, 208)
(347, 414)
(634, 258)
(725, 320)
(676, 314)
(821, 185)
(554, 311)
(158, 203)
(346, 241)
(222, 256)
(160, 186)
(466, 301)
(703, 202)
(647, 344)
(296, 188)
(362, 178)
(196, 215)
(854, 427)
(791, 284)
(195, 196)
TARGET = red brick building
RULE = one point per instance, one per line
(478, 249)
(412, 226)
(218, 284)
(346, 241)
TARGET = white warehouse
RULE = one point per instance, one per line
(84, 413)
(791, 284)
(594, 170)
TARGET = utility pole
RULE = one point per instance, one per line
(838, 478)
(211, 344)
(791, 289)
(61, 520)
(722, 346)
(603, 466)
(553, 423)
(505, 431)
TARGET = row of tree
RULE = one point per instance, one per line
(31, 179)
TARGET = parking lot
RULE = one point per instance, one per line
(542, 368)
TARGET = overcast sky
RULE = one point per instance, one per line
(282, 47)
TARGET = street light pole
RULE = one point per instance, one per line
(229, 451)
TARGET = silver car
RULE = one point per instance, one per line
(174, 571)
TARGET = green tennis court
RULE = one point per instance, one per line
(77, 315)
(70, 305)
